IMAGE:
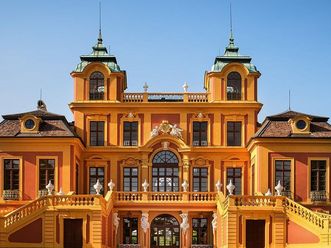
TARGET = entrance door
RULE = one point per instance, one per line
(255, 233)
(165, 232)
(73, 233)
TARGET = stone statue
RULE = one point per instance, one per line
(155, 132)
(116, 221)
(176, 131)
(184, 225)
(144, 222)
(214, 222)
(185, 186)
(145, 185)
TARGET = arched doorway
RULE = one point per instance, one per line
(165, 232)
(165, 172)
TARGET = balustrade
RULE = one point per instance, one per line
(165, 97)
(306, 214)
(254, 201)
(133, 97)
(318, 195)
(197, 97)
(11, 195)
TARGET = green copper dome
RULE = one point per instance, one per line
(231, 55)
(99, 54)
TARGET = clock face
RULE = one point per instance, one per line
(301, 124)
(29, 124)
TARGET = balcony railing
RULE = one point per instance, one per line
(11, 194)
(121, 196)
(129, 246)
(201, 246)
(165, 97)
(318, 196)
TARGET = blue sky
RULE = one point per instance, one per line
(166, 43)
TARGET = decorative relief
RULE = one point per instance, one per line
(214, 222)
(184, 225)
(144, 222)
(116, 221)
(167, 128)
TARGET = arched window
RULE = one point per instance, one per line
(165, 232)
(233, 88)
(97, 86)
(165, 172)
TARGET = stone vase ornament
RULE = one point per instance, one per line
(268, 193)
(50, 187)
(185, 186)
(97, 186)
(279, 188)
(145, 185)
(218, 186)
(185, 87)
(230, 187)
(145, 87)
(111, 185)
(60, 192)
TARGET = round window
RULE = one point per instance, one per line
(29, 124)
(301, 124)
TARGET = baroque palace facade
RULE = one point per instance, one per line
(164, 169)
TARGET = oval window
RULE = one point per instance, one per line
(301, 124)
(29, 124)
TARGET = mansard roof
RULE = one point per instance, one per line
(52, 125)
(278, 126)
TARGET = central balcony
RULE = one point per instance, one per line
(165, 97)
(164, 199)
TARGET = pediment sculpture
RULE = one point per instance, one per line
(166, 128)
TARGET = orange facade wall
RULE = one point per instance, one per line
(158, 118)
(29, 166)
(301, 170)
(298, 235)
(32, 233)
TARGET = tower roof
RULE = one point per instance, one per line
(99, 54)
(231, 55)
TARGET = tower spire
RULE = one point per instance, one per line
(100, 35)
(231, 40)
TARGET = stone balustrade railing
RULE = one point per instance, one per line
(256, 201)
(165, 196)
(24, 211)
(42, 203)
(165, 97)
(317, 220)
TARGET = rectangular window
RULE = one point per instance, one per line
(97, 133)
(95, 174)
(234, 174)
(318, 175)
(200, 130)
(130, 135)
(200, 231)
(46, 172)
(283, 174)
(200, 179)
(130, 179)
(234, 133)
(11, 174)
(130, 230)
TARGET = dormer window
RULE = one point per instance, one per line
(300, 125)
(30, 124)
(97, 86)
(233, 88)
